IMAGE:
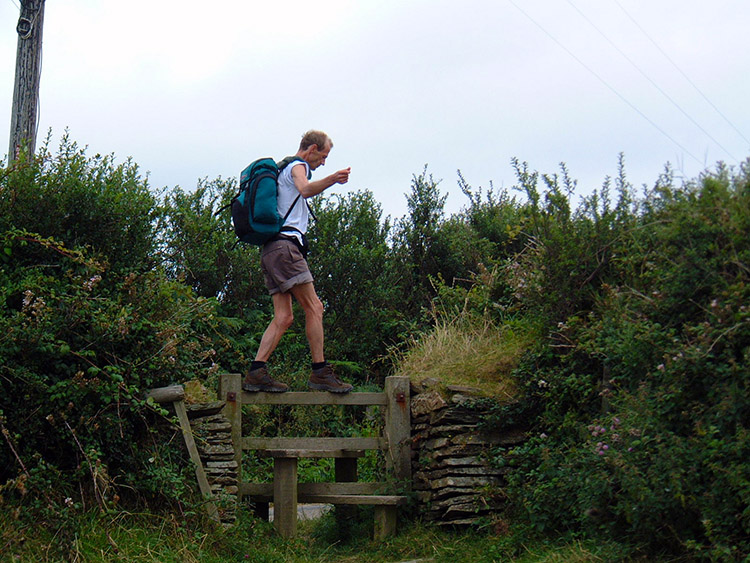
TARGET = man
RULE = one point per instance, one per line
(287, 274)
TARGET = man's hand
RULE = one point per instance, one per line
(340, 177)
(309, 189)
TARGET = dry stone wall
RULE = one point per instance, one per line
(213, 438)
(453, 478)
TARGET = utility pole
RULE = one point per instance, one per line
(23, 122)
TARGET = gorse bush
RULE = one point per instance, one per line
(84, 203)
(87, 326)
(638, 403)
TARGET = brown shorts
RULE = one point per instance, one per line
(283, 266)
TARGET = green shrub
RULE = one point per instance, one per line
(638, 403)
(88, 325)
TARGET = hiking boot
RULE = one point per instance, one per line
(324, 379)
(259, 380)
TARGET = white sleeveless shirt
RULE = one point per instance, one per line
(288, 192)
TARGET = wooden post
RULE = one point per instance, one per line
(175, 394)
(24, 114)
(398, 428)
(285, 496)
(230, 390)
(385, 521)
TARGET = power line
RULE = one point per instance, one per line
(685, 76)
(623, 98)
(654, 84)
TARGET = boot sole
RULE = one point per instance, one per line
(323, 387)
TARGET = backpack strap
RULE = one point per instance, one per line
(283, 163)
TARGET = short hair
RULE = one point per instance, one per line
(314, 137)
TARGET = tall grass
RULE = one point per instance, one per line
(469, 350)
(96, 537)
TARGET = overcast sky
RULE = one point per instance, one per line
(199, 89)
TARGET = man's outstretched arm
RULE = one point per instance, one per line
(309, 189)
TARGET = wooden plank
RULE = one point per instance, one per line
(353, 499)
(312, 453)
(285, 496)
(256, 489)
(187, 434)
(337, 488)
(320, 444)
(398, 428)
(312, 398)
(169, 394)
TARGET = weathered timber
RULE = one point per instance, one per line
(169, 394)
(319, 444)
(394, 500)
(303, 453)
(286, 451)
(303, 489)
(230, 390)
(313, 398)
(285, 496)
(25, 109)
(398, 428)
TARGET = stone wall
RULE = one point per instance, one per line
(213, 438)
(453, 478)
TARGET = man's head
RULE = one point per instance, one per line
(314, 148)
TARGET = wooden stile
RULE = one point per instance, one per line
(286, 492)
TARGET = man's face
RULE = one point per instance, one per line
(318, 157)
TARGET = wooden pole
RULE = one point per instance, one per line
(23, 122)
(398, 428)
(230, 390)
(285, 496)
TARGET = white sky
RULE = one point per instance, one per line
(199, 89)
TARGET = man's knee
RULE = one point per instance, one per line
(309, 300)
(315, 307)
(283, 319)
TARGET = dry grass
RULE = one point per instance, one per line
(468, 351)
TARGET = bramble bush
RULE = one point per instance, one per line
(638, 402)
(89, 323)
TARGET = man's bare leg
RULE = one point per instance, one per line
(313, 308)
(282, 320)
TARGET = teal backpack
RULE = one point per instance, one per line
(255, 214)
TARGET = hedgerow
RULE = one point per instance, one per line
(638, 402)
(633, 312)
(89, 323)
